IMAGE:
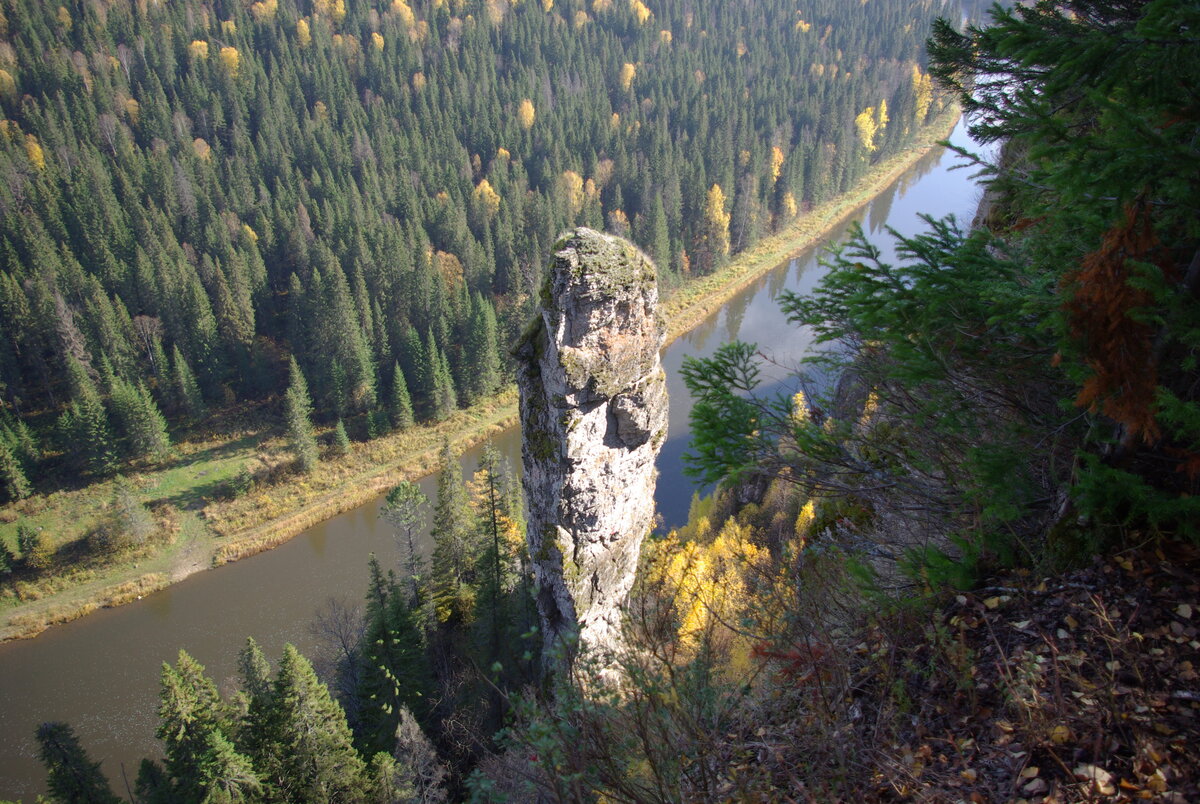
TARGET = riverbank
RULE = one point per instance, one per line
(203, 526)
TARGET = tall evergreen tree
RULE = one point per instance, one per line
(143, 425)
(297, 408)
(394, 674)
(314, 759)
(87, 435)
(190, 711)
(454, 545)
(184, 386)
(13, 482)
(400, 409)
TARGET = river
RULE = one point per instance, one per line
(101, 673)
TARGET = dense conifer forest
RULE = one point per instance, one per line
(195, 193)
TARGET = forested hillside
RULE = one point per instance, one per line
(193, 192)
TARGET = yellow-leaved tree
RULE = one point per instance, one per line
(231, 60)
(867, 126)
(526, 114)
(8, 85)
(487, 198)
(708, 580)
(33, 149)
(713, 244)
(570, 184)
(922, 85)
(628, 72)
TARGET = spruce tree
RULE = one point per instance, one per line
(403, 509)
(341, 441)
(13, 483)
(297, 408)
(8, 561)
(143, 425)
(129, 520)
(224, 775)
(454, 549)
(185, 388)
(400, 409)
(394, 674)
(482, 350)
(190, 710)
(442, 399)
(89, 438)
(314, 759)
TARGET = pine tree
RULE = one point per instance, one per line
(72, 777)
(297, 408)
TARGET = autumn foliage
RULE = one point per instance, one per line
(1106, 308)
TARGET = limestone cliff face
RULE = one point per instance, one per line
(593, 417)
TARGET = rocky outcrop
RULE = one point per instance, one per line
(593, 417)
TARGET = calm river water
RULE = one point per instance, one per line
(101, 673)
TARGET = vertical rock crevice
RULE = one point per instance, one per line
(593, 417)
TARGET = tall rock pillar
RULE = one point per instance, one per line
(593, 417)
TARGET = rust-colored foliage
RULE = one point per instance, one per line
(1118, 348)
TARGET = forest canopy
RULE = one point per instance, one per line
(193, 193)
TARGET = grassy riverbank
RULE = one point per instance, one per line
(202, 525)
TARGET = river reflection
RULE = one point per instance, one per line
(101, 673)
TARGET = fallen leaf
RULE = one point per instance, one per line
(1060, 734)
(1035, 787)
(1099, 777)
(992, 602)
(1184, 611)
(969, 775)
(1030, 772)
